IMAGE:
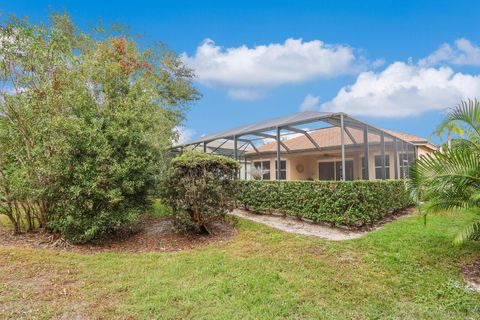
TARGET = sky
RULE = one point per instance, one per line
(395, 64)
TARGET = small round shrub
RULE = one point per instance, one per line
(200, 188)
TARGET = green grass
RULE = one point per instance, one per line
(159, 210)
(405, 270)
(4, 221)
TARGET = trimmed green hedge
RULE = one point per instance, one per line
(351, 203)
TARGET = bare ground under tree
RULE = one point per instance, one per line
(151, 234)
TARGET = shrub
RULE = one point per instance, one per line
(87, 119)
(200, 187)
(350, 203)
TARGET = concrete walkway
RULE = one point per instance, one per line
(293, 225)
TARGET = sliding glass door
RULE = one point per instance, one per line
(332, 170)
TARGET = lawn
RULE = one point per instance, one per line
(405, 270)
(4, 221)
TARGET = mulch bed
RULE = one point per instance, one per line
(150, 235)
(471, 274)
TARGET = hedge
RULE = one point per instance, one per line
(350, 203)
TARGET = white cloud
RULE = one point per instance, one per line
(310, 102)
(378, 63)
(404, 89)
(463, 52)
(184, 134)
(267, 66)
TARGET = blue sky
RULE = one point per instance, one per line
(395, 64)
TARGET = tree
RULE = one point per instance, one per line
(86, 122)
(450, 179)
(200, 188)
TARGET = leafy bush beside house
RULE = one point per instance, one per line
(87, 120)
(349, 203)
(200, 187)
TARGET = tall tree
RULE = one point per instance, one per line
(86, 119)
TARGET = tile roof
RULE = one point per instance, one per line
(330, 137)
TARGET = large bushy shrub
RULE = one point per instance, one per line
(350, 203)
(86, 121)
(200, 187)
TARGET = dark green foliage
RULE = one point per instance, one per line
(200, 187)
(350, 203)
(87, 122)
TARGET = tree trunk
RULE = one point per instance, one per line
(28, 215)
(18, 217)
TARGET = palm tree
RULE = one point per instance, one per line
(449, 179)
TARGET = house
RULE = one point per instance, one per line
(304, 162)
(321, 153)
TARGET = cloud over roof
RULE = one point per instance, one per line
(270, 65)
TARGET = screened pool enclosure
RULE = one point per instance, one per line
(321, 143)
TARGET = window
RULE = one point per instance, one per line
(348, 171)
(326, 170)
(283, 169)
(263, 170)
(405, 159)
(378, 167)
(332, 170)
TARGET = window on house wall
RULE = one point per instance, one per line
(326, 170)
(283, 169)
(378, 167)
(332, 170)
(348, 171)
(404, 159)
(264, 168)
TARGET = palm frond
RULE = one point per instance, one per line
(457, 167)
(450, 179)
(466, 143)
(450, 201)
(448, 126)
(471, 232)
(467, 112)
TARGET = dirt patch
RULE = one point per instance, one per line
(471, 274)
(151, 234)
(33, 289)
(309, 228)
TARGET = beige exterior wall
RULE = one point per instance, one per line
(423, 150)
(304, 166)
